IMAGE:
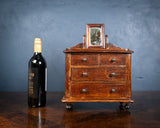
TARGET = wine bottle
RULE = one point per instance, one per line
(37, 77)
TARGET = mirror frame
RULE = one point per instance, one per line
(88, 32)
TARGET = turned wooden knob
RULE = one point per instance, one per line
(112, 74)
(113, 90)
(84, 74)
(84, 90)
(84, 59)
(113, 59)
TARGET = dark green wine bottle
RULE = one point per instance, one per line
(37, 77)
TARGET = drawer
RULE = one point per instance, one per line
(84, 59)
(97, 91)
(112, 59)
(98, 74)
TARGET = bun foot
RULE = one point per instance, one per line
(127, 106)
(69, 106)
(121, 106)
(124, 107)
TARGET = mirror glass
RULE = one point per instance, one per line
(95, 36)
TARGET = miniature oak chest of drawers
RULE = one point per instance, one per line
(97, 75)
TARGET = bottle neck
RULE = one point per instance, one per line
(37, 46)
(37, 53)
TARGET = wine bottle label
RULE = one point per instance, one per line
(33, 83)
(45, 79)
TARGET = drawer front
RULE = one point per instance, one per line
(97, 91)
(84, 59)
(112, 59)
(98, 74)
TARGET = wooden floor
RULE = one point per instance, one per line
(14, 113)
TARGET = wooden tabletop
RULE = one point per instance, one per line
(15, 113)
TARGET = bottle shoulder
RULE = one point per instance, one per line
(37, 60)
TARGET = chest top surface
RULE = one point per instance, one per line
(110, 48)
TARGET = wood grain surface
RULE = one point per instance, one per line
(15, 113)
(94, 74)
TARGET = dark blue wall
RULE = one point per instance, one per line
(133, 24)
